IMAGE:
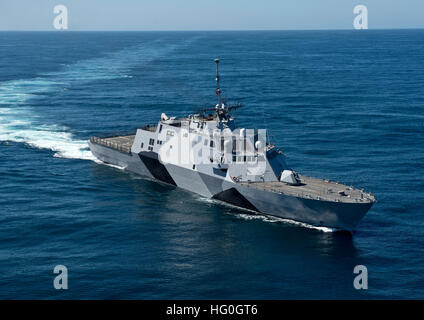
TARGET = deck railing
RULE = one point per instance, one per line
(111, 144)
(131, 132)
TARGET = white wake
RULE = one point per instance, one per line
(282, 220)
(19, 120)
(19, 123)
(265, 218)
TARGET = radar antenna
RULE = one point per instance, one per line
(222, 111)
(218, 90)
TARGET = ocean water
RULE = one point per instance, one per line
(343, 105)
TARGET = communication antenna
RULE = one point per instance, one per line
(218, 90)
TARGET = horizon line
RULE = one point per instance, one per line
(206, 30)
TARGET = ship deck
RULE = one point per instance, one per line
(121, 143)
(317, 189)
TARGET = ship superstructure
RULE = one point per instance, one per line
(208, 154)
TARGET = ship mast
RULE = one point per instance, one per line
(218, 90)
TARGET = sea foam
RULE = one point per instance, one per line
(19, 121)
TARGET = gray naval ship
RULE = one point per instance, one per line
(206, 153)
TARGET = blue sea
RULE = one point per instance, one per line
(343, 105)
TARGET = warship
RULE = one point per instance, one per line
(206, 153)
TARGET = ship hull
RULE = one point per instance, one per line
(336, 215)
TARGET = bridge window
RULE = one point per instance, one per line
(152, 142)
(220, 171)
(212, 144)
